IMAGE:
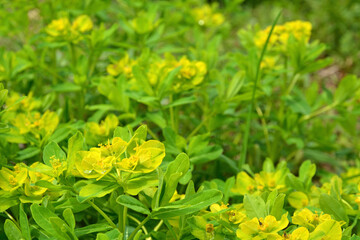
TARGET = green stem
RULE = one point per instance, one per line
(199, 126)
(112, 224)
(170, 229)
(319, 111)
(157, 227)
(12, 219)
(292, 83)
(152, 134)
(172, 119)
(132, 235)
(249, 116)
(138, 222)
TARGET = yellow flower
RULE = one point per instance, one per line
(300, 233)
(123, 66)
(12, 180)
(205, 16)
(177, 196)
(82, 24)
(37, 172)
(97, 162)
(262, 228)
(299, 29)
(96, 132)
(37, 124)
(58, 27)
(329, 230)
(58, 166)
(144, 23)
(244, 184)
(146, 158)
(308, 219)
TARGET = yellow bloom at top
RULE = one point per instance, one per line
(299, 29)
(267, 228)
(37, 172)
(132, 156)
(97, 162)
(58, 27)
(308, 219)
(12, 180)
(300, 233)
(123, 66)
(205, 16)
(63, 29)
(37, 124)
(82, 24)
(96, 132)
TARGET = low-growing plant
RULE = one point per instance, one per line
(149, 120)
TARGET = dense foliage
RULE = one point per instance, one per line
(175, 120)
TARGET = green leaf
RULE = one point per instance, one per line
(140, 182)
(102, 236)
(175, 170)
(235, 85)
(61, 229)
(69, 218)
(165, 85)
(277, 206)
(142, 80)
(53, 149)
(254, 206)
(332, 206)
(294, 182)
(181, 101)
(28, 153)
(194, 203)
(96, 189)
(123, 133)
(98, 227)
(45, 219)
(347, 88)
(66, 87)
(24, 223)
(133, 204)
(12, 231)
(75, 144)
(298, 200)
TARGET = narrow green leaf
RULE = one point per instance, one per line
(12, 231)
(133, 204)
(194, 203)
(24, 223)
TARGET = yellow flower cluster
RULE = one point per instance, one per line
(205, 16)
(132, 156)
(23, 114)
(261, 182)
(123, 66)
(191, 74)
(299, 29)
(23, 179)
(99, 132)
(62, 28)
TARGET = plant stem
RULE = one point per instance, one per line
(138, 227)
(199, 126)
(12, 219)
(152, 134)
(319, 111)
(112, 224)
(249, 116)
(138, 222)
(172, 119)
(157, 227)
